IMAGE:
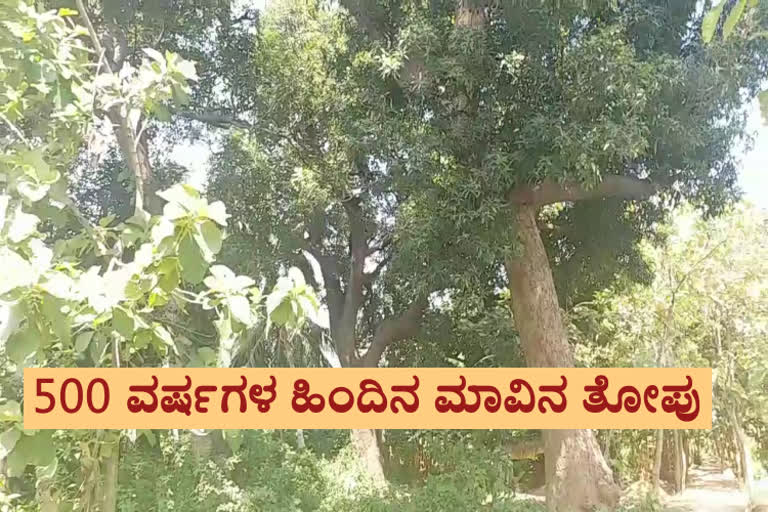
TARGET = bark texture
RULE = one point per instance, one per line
(366, 445)
(742, 446)
(657, 458)
(578, 477)
(109, 482)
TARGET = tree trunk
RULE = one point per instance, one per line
(657, 458)
(742, 450)
(109, 482)
(367, 448)
(300, 444)
(577, 476)
(679, 463)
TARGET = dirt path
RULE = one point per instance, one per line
(709, 490)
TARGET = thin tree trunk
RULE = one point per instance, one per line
(111, 462)
(742, 450)
(657, 459)
(679, 483)
(685, 453)
(300, 438)
(109, 475)
(576, 473)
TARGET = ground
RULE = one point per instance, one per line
(709, 490)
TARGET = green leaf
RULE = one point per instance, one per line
(193, 264)
(8, 440)
(733, 18)
(39, 169)
(143, 338)
(140, 219)
(10, 411)
(64, 11)
(282, 314)
(47, 472)
(37, 450)
(223, 327)
(180, 96)
(98, 348)
(16, 272)
(296, 276)
(155, 55)
(187, 69)
(83, 340)
(185, 196)
(206, 355)
(217, 212)
(23, 225)
(169, 274)
(59, 321)
(163, 335)
(34, 192)
(709, 23)
(16, 463)
(211, 235)
(57, 284)
(241, 309)
(22, 344)
(123, 322)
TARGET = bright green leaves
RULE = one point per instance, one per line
(22, 344)
(23, 447)
(233, 293)
(160, 81)
(205, 357)
(10, 411)
(8, 440)
(291, 301)
(223, 280)
(709, 24)
(186, 201)
(83, 340)
(35, 449)
(733, 18)
(22, 226)
(17, 272)
(712, 18)
(192, 260)
(199, 227)
(210, 237)
(123, 322)
(34, 176)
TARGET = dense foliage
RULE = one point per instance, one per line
(371, 160)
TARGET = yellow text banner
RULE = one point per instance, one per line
(386, 398)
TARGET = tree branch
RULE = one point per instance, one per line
(358, 251)
(395, 328)
(217, 119)
(549, 192)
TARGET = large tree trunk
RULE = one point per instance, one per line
(577, 476)
(367, 447)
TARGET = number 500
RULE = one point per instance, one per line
(79, 396)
